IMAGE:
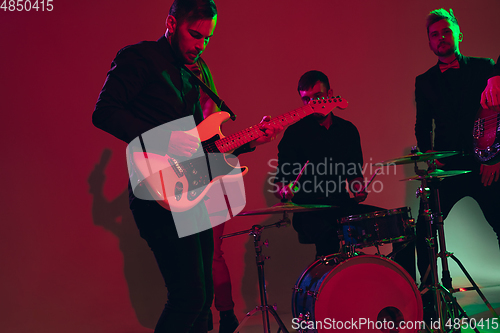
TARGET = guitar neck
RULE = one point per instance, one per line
(238, 139)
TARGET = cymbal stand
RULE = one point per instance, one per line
(442, 293)
(256, 232)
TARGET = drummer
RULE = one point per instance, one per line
(332, 147)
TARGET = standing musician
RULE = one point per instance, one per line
(449, 94)
(332, 147)
(146, 87)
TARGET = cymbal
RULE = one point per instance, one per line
(287, 207)
(420, 157)
(438, 174)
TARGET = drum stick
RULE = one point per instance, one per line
(300, 175)
(371, 180)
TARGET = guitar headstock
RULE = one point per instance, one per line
(325, 105)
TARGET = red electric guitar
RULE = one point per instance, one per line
(178, 186)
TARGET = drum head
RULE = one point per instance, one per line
(368, 289)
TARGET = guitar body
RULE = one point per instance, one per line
(486, 136)
(179, 183)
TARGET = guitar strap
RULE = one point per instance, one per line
(219, 102)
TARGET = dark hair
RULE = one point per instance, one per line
(309, 79)
(440, 14)
(192, 10)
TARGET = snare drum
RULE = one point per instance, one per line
(365, 289)
(375, 228)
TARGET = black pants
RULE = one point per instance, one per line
(451, 190)
(185, 264)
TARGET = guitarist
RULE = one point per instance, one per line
(148, 86)
(449, 94)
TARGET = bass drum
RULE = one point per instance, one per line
(335, 293)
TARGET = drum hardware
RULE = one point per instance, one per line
(410, 223)
(417, 156)
(375, 229)
(443, 299)
(256, 232)
(446, 305)
(286, 207)
(437, 173)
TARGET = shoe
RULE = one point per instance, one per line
(228, 321)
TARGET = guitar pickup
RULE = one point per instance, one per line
(179, 171)
(478, 129)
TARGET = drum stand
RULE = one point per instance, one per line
(256, 231)
(446, 305)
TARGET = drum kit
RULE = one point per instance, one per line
(341, 288)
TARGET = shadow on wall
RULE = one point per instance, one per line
(288, 260)
(467, 234)
(146, 286)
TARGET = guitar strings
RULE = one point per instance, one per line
(248, 134)
(254, 132)
(490, 121)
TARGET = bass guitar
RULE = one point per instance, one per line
(180, 185)
(486, 136)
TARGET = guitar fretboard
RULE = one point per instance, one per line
(238, 139)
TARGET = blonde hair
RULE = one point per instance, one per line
(440, 14)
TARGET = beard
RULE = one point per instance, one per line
(177, 50)
(446, 52)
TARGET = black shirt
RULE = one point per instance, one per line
(146, 87)
(452, 100)
(334, 156)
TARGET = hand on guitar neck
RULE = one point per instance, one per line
(270, 130)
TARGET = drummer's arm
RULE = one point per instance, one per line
(356, 185)
(284, 191)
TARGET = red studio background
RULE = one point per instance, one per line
(71, 257)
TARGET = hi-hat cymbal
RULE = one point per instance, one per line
(438, 174)
(420, 157)
(287, 207)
